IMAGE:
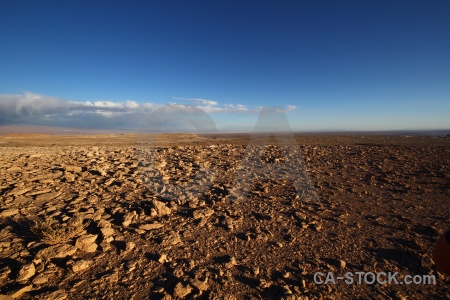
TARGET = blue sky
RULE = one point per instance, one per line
(330, 65)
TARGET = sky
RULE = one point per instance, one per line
(325, 65)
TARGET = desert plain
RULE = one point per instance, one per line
(186, 216)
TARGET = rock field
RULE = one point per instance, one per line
(220, 218)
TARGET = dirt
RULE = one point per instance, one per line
(129, 216)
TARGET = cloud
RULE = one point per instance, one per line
(198, 100)
(30, 108)
(30, 104)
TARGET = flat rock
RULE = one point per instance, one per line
(40, 279)
(48, 196)
(151, 226)
(57, 251)
(22, 291)
(75, 169)
(107, 232)
(9, 212)
(80, 265)
(86, 243)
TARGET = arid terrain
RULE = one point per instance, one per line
(127, 216)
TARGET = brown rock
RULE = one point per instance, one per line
(151, 226)
(26, 272)
(57, 251)
(86, 243)
(40, 279)
(80, 265)
(182, 291)
(160, 208)
(9, 212)
(22, 291)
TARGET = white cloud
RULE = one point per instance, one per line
(198, 100)
(30, 108)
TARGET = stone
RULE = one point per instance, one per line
(200, 213)
(5, 244)
(200, 285)
(151, 226)
(182, 291)
(80, 265)
(128, 218)
(22, 291)
(162, 258)
(57, 295)
(75, 169)
(26, 272)
(130, 246)
(40, 279)
(86, 243)
(107, 232)
(48, 196)
(57, 251)
(4, 273)
(160, 208)
(9, 212)
(231, 263)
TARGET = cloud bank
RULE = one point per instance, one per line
(29, 108)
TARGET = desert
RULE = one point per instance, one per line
(125, 216)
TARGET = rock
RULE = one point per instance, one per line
(231, 263)
(162, 258)
(40, 279)
(86, 243)
(48, 196)
(57, 295)
(151, 226)
(22, 291)
(128, 218)
(4, 273)
(75, 169)
(21, 191)
(342, 264)
(107, 232)
(200, 285)
(130, 265)
(160, 208)
(80, 265)
(26, 272)
(109, 181)
(6, 297)
(255, 270)
(182, 291)
(9, 212)
(57, 251)
(200, 213)
(40, 192)
(5, 244)
(69, 177)
(130, 246)
(172, 239)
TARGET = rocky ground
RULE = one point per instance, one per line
(220, 217)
